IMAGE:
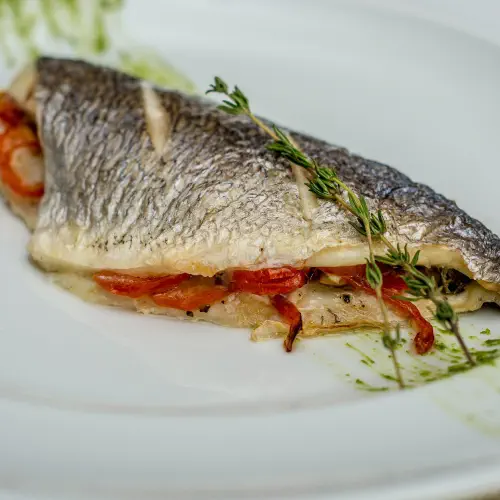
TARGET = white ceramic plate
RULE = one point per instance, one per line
(98, 403)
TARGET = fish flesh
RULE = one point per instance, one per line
(151, 182)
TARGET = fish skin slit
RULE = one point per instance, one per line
(158, 122)
(307, 199)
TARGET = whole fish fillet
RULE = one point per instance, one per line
(151, 181)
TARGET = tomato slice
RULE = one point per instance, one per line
(191, 295)
(271, 281)
(136, 286)
(393, 284)
(291, 315)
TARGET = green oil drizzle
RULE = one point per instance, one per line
(444, 361)
(152, 67)
(367, 360)
(367, 387)
(84, 28)
(491, 342)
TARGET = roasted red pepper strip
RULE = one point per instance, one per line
(291, 315)
(272, 281)
(16, 134)
(393, 284)
(20, 137)
(424, 339)
(10, 112)
(136, 286)
(190, 296)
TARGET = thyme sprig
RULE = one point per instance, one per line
(325, 183)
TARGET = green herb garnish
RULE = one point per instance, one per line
(491, 342)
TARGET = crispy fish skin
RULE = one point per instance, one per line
(203, 194)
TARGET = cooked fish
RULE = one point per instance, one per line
(150, 182)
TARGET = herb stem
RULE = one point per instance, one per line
(326, 184)
(388, 341)
(452, 325)
(343, 203)
(262, 125)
